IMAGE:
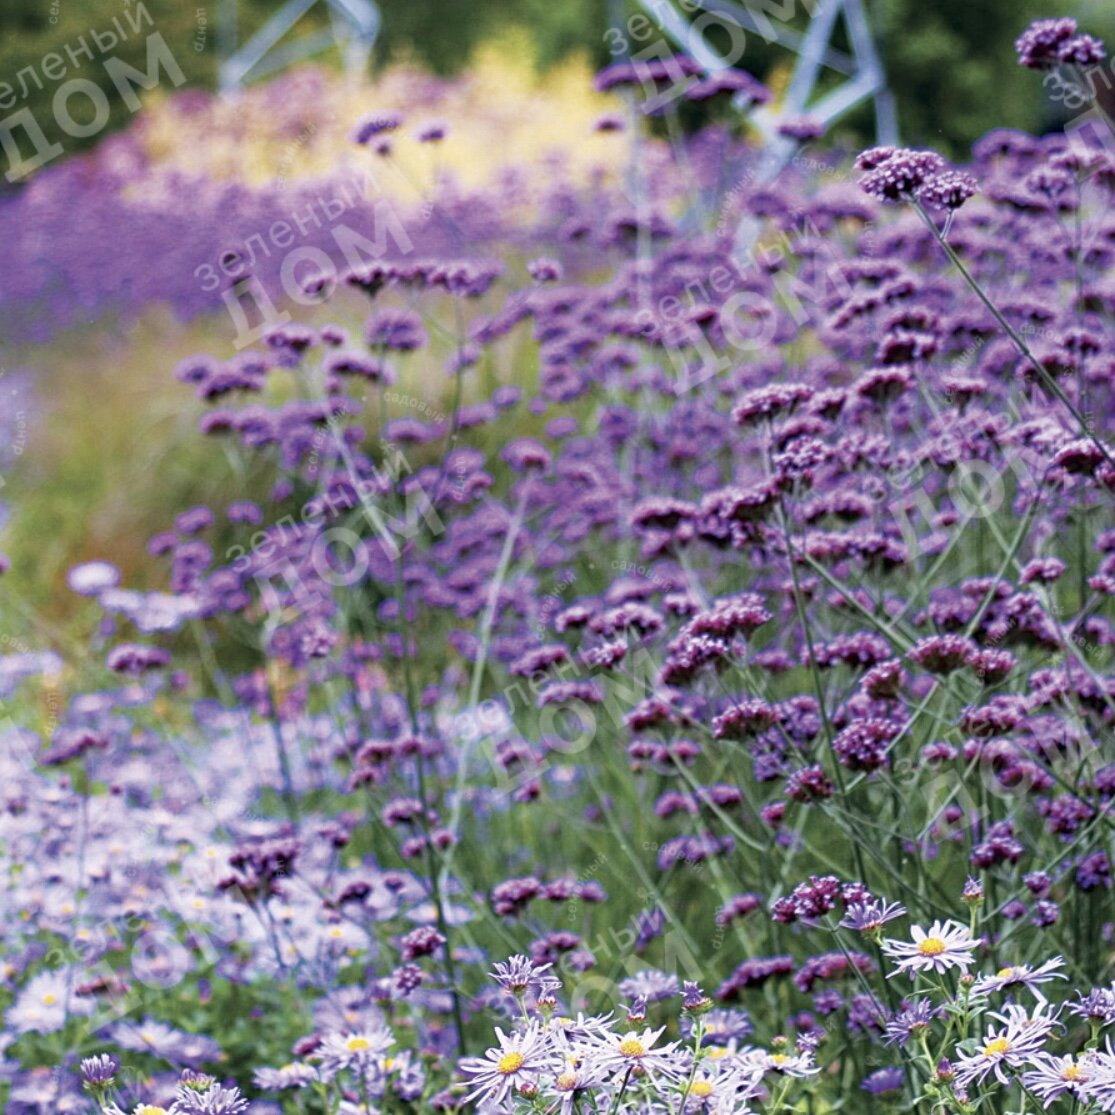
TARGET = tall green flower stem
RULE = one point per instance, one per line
(1049, 382)
(424, 799)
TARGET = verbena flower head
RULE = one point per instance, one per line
(1047, 43)
(897, 174)
(948, 190)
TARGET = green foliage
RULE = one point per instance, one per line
(950, 62)
(951, 65)
(31, 29)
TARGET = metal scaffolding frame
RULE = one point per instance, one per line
(861, 69)
(355, 26)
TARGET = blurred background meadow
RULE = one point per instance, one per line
(99, 298)
(178, 404)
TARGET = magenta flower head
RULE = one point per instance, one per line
(374, 125)
(728, 81)
(136, 659)
(434, 132)
(948, 190)
(1083, 50)
(1047, 43)
(801, 128)
(897, 174)
(1039, 46)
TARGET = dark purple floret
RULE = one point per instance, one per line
(809, 785)
(372, 126)
(754, 973)
(864, 744)
(999, 846)
(900, 174)
(1094, 872)
(766, 403)
(1039, 47)
(72, 744)
(728, 81)
(912, 1019)
(423, 941)
(948, 190)
(883, 1082)
(134, 659)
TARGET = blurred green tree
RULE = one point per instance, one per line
(949, 62)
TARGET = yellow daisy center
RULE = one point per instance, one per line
(632, 1047)
(779, 1058)
(716, 1053)
(357, 1045)
(1073, 1073)
(701, 1089)
(1004, 973)
(509, 1063)
(996, 1048)
(566, 1082)
(150, 1109)
(49, 999)
(931, 946)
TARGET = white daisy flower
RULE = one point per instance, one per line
(1099, 1085)
(575, 1080)
(724, 1093)
(788, 1064)
(1051, 1077)
(619, 1054)
(293, 1075)
(519, 1059)
(362, 1051)
(946, 945)
(1021, 975)
(1016, 1043)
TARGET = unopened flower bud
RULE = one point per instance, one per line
(695, 1001)
(972, 893)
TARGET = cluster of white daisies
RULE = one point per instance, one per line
(1014, 1047)
(605, 1064)
(566, 1060)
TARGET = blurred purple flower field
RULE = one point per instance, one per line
(646, 642)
